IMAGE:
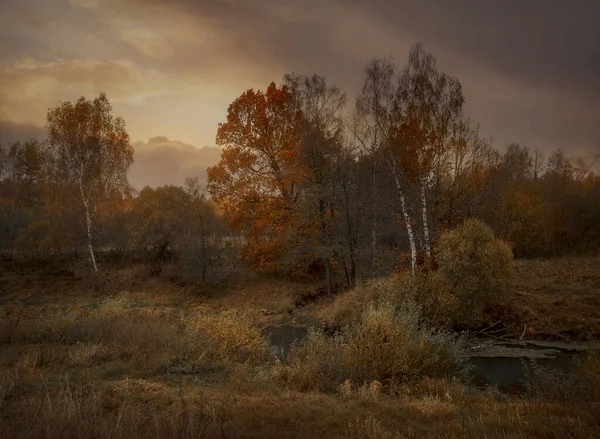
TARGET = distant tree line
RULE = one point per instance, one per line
(308, 185)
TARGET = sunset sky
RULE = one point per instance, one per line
(530, 69)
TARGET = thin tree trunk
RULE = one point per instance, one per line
(204, 250)
(408, 221)
(373, 219)
(425, 222)
(328, 282)
(325, 243)
(88, 221)
(351, 243)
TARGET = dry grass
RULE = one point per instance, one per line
(387, 345)
(558, 298)
(554, 299)
(346, 309)
(155, 362)
(581, 386)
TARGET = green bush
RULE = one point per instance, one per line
(478, 268)
(41, 239)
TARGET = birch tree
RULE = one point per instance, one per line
(88, 154)
(427, 106)
(374, 112)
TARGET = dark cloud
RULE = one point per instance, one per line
(530, 69)
(163, 161)
(543, 54)
(550, 42)
(541, 42)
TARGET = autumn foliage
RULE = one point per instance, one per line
(305, 185)
(257, 179)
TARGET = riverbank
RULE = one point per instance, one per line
(141, 357)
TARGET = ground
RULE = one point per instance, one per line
(123, 358)
(558, 298)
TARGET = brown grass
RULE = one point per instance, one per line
(154, 361)
(558, 299)
(387, 345)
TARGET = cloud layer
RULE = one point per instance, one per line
(529, 69)
(163, 161)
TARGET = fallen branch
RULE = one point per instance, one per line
(495, 337)
(523, 333)
(502, 329)
(489, 327)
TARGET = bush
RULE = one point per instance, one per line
(478, 268)
(388, 345)
(431, 291)
(39, 240)
(231, 337)
(347, 308)
(391, 343)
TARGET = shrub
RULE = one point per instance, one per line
(231, 337)
(314, 364)
(390, 343)
(387, 345)
(431, 291)
(478, 268)
(347, 308)
(39, 240)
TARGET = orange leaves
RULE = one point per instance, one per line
(257, 180)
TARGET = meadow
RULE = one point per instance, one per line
(130, 355)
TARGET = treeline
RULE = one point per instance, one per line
(312, 186)
(69, 196)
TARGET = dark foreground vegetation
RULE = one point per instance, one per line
(389, 232)
(142, 356)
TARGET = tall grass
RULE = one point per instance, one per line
(389, 344)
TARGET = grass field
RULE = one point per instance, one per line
(140, 357)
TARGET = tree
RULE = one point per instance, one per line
(202, 221)
(20, 190)
(257, 180)
(462, 182)
(158, 221)
(319, 158)
(427, 106)
(87, 152)
(373, 129)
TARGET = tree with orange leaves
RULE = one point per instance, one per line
(257, 180)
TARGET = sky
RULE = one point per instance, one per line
(530, 69)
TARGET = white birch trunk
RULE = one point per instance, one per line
(425, 222)
(88, 221)
(407, 220)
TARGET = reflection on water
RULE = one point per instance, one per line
(282, 337)
(509, 373)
